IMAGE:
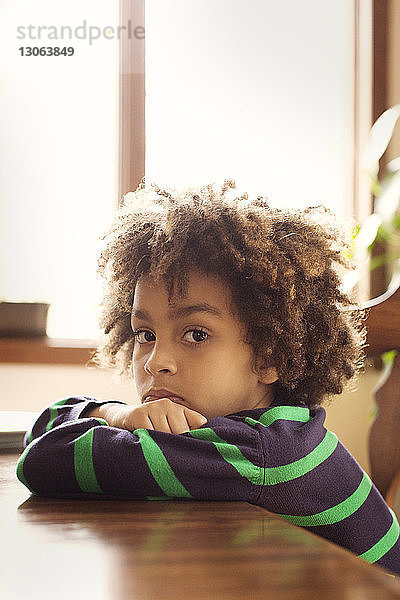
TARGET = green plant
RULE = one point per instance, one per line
(383, 225)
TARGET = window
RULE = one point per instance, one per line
(260, 91)
(59, 122)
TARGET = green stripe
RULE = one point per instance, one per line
(54, 412)
(53, 415)
(272, 475)
(339, 511)
(298, 468)
(385, 543)
(285, 413)
(231, 454)
(83, 463)
(159, 466)
(20, 469)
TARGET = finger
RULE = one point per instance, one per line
(159, 420)
(177, 420)
(139, 421)
(194, 418)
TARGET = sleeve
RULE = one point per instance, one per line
(65, 409)
(320, 486)
(76, 457)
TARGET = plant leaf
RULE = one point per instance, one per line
(387, 203)
(368, 231)
(394, 165)
(379, 138)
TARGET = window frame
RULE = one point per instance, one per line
(131, 100)
(381, 33)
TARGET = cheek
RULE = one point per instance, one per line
(138, 362)
(203, 371)
(240, 367)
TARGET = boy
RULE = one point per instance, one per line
(231, 316)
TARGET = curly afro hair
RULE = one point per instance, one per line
(283, 267)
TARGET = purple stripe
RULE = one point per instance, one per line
(201, 469)
(391, 560)
(287, 441)
(346, 532)
(328, 486)
(128, 477)
(42, 467)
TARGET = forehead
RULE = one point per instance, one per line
(202, 289)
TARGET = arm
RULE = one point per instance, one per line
(163, 415)
(65, 409)
(321, 487)
(299, 471)
(86, 457)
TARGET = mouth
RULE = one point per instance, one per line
(158, 394)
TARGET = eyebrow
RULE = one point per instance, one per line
(183, 311)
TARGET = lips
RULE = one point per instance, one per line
(157, 394)
(151, 398)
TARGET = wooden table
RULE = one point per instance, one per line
(162, 550)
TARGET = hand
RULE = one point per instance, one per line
(161, 415)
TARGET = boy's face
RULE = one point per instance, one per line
(193, 348)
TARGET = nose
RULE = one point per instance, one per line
(161, 360)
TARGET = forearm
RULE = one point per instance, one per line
(65, 410)
(86, 457)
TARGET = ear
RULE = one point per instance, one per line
(268, 375)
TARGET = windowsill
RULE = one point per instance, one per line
(46, 350)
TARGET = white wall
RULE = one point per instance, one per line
(350, 416)
(32, 387)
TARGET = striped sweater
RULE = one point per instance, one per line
(281, 458)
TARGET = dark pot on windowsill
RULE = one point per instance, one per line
(23, 319)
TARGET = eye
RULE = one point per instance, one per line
(196, 336)
(143, 336)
